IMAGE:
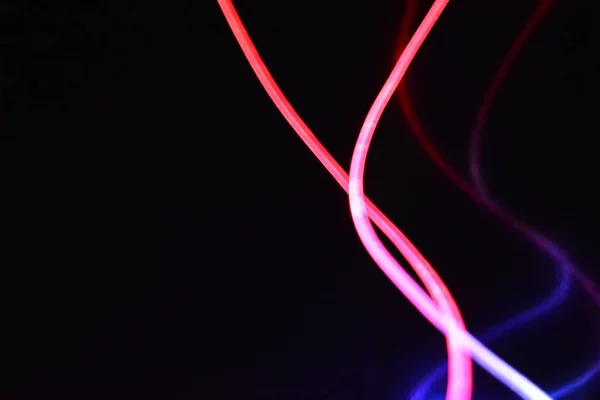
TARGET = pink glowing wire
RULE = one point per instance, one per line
(442, 318)
(460, 369)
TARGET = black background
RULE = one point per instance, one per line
(165, 234)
